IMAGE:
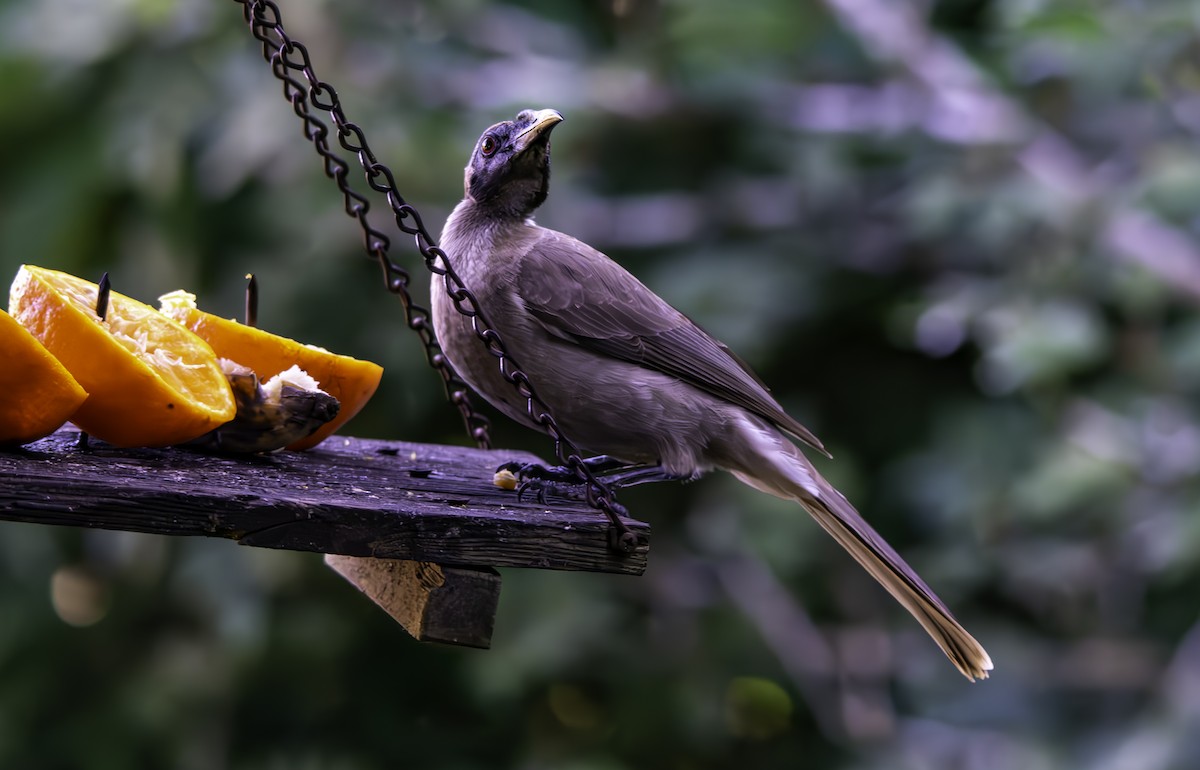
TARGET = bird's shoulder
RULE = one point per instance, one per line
(571, 283)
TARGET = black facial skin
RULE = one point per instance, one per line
(509, 172)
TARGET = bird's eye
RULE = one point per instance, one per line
(488, 146)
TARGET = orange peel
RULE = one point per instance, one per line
(39, 393)
(151, 382)
(351, 381)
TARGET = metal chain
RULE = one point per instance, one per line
(285, 56)
(376, 243)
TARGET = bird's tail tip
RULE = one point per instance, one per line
(977, 669)
(967, 655)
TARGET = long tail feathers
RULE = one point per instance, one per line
(783, 471)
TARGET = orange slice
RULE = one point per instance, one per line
(38, 393)
(350, 380)
(151, 381)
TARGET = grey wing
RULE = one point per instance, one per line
(579, 294)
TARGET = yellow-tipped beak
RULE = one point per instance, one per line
(543, 120)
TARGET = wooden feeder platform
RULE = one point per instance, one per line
(419, 528)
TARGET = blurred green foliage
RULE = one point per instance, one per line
(960, 238)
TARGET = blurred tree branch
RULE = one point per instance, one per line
(958, 104)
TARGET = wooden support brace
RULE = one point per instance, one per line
(454, 605)
(413, 509)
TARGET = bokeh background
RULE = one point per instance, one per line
(960, 239)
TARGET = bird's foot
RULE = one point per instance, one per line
(541, 480)
(530, 471)
(563, 473)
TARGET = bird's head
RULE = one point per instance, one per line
(509, 172)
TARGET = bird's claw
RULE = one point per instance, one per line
(562, 480)
(540, 480)
(574, 490)
(527, 472)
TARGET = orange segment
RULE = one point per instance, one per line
(37, 394)
(350, 380)
(151, 381)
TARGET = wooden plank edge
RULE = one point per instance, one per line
(283, 502)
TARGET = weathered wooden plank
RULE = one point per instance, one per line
(385, 499)
(453, 605)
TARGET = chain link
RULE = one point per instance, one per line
(279, 50)
(287, 56)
